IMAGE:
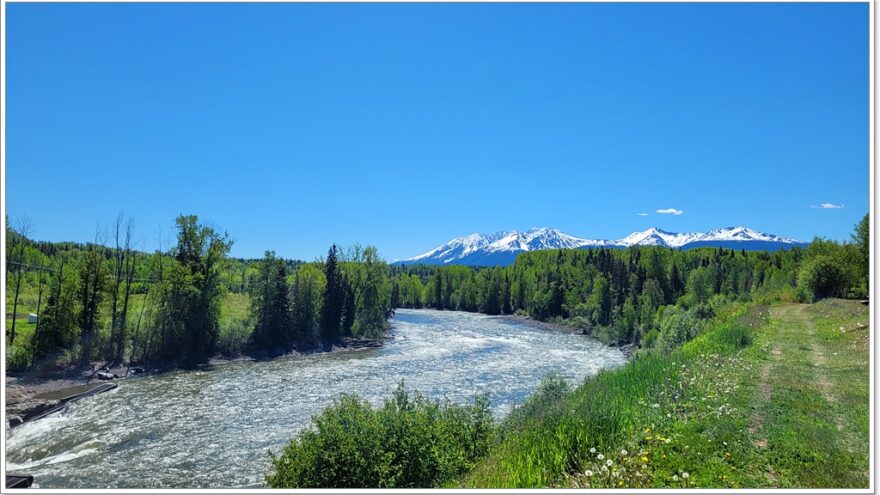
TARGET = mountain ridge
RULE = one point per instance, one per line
(501, 248)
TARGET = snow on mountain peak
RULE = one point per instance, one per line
(503, 246)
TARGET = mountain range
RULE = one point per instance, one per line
(501, 248)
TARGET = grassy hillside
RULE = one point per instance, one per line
(772, 396)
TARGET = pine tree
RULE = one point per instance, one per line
(332, 300)
(349, 307)
(676, 282)
(270, 302)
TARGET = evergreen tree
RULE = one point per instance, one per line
(332, 300)
(349, 307)
(270, 306)
(676, 282)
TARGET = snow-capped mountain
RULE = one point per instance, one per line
(501, 248)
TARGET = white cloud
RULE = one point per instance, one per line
(828, 206)
(669, 211)
(642, 214)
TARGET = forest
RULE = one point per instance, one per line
(640, 295)
(107, 302)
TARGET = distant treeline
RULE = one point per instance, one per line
(106, 301)
(621, 295)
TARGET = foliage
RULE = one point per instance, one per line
(17, 358)
(270, 303)
(233, 338)
(821, 277)
(861, 236)
(615, 295)
(189, 314)
(678, 326)
(410, 442)
(332, 300)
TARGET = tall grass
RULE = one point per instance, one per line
(608, 410)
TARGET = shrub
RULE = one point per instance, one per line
(233, 337)
(650, 338)
(821, 277)
(410, 442)
(17, 358)
(607, 334)
(580, 323)
(677, 327)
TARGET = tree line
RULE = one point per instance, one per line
(624, 295)
(106, 301)
(84, 296)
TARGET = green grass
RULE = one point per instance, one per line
(235, 307)
(742, 405)
(234, 330)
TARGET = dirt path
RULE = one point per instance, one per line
(797, 314)
(765, 390)
(811, 377)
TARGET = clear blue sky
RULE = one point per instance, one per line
(402, 126)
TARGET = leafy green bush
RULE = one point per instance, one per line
(650, 338)
(821, 277)
(17, 358)
(410, 442)
(233, 337)
(677, 327)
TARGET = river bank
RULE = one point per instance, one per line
(34, 395)
(764, 397)
(627, 349)
(212, 427)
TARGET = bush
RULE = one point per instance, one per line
(233, 337)
(410, 442)
(677, 327)
(650, 338)
(552, 393)
(580, 323)
(17, 358)
(821, 277)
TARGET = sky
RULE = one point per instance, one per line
(294, 126)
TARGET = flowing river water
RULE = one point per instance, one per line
(213, 428)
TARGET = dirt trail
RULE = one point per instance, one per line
(797, 314)
(766, 391)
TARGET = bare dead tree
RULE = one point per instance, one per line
(123, 273)
(128, 272)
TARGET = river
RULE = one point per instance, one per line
(213, 428)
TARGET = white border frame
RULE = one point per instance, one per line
(872, 269)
